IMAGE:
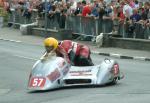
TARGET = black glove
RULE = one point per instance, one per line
(72, 57)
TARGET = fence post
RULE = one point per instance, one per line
(14, 18)
(104, 27)
(96, 20)
(80, 25)
(66, 22)
(46, 18)
(1, 21)
(124, 33)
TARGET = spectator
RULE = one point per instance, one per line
(86, 9)
(21, 2)
(27, 9)
(135, 17)
(131, 3)
(73, 7)
(62, 19)
(120, 12)
(115, 18)
(95, 9)
(1, 3)
(136, 4)
(133, 23)
(78, 9)
(69, 11)
(6, 5)
(146, 11)
(52, 11)
(15, 5)
(107, 19)
(127, 10)
(140, 9)
(101, 13)
(101, 10)
(108, 12)
(116, 11)
(40, 8)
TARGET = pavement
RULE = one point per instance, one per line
(14, 35)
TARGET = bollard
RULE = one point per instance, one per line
(1, 21)
(106, 40)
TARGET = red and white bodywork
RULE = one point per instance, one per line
(55, 72)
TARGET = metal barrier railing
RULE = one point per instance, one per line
(17, 18)
(86, 26)
(141, 31)
(82, 25)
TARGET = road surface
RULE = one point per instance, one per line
(16, 60)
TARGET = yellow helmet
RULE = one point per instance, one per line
(51, 42)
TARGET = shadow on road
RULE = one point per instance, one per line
(74, 87)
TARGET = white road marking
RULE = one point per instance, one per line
(25, 57)
(94, 52)
(115, 55)
(17, 41)
(139, 58)
(4, 91)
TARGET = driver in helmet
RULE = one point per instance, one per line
(51, 46)
(75, 53)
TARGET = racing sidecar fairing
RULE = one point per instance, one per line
(55, 72)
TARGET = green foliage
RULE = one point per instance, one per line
(3, 13)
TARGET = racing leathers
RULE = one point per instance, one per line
(75, 53)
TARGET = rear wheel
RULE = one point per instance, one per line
(115, 80)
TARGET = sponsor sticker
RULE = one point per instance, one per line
(81, 73)
(54, 75)
(85, 71)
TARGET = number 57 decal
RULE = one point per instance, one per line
(37, 82)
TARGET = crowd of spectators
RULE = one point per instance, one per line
(124, 12)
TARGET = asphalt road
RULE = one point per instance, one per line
(16, 60)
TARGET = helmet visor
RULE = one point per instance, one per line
(49, 48)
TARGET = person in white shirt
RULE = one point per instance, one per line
(127, 11)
